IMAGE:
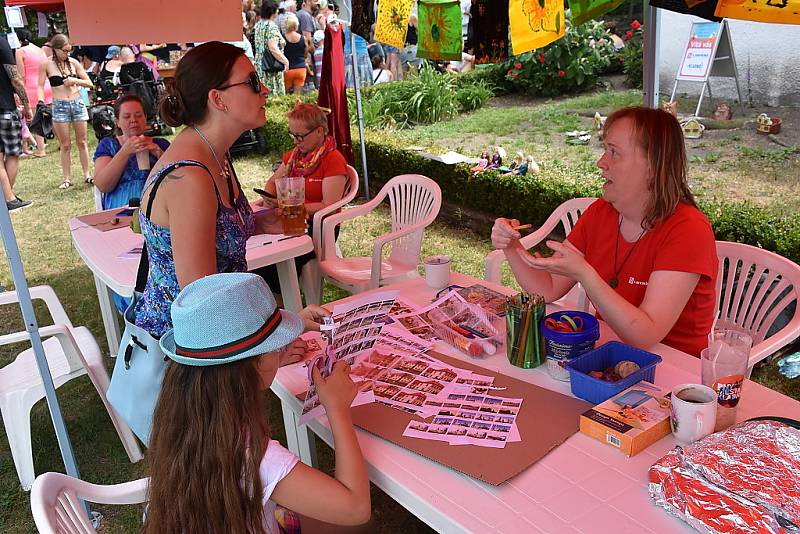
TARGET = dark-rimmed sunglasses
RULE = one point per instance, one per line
(252, 81)
(300, 137)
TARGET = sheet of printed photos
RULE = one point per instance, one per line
(451, 305)
(463, 419)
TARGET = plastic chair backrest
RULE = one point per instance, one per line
(350, 192)
(413, 199)
(98, 199)
(754, 286)
(55, 501)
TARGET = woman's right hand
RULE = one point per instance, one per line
(503, 235)
(336, 393)
(137, 143)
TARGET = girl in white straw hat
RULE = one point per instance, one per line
(213, 466)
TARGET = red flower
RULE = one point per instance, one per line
(541, 58)
(635, 25)
(561, 73)
(628, 35)
(518, 66)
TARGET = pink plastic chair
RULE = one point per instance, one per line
(754, 286)
(55, 501)
(566, 215)
(414, 201)
(310, 277)
(71, 352)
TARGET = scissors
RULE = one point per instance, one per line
(565, 323)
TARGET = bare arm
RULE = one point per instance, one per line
(109, 170)
(332, 191)
(272, 44)
(82, 79)
(19, 89)
(42, 78)
(20, 56)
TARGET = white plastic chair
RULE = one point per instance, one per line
(414, 201)
(56, 507)
(566, 215)
(310, 277)
(754, 286)
(71, 352)
(98, 199)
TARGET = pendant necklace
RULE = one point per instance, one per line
(224, 170)
(614, 281)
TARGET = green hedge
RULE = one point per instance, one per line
(532, 198)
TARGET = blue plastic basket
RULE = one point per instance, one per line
(563, 346)
(596, 390)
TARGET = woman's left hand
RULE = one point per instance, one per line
(313, 316)
(293, 352)
(269, 222)
(566, 260)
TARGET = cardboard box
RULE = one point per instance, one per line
(631, 421)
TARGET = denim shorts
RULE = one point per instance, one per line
(69, 110)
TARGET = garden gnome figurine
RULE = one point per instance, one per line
(723, 112)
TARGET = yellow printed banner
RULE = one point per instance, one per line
(535, 23)
(777, 11)
(392, 22)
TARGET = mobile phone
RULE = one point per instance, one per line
(264, 193)
(127, 212)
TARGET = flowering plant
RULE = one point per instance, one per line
(632, 55)
(570, 64)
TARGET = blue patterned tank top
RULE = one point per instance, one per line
(234, 226)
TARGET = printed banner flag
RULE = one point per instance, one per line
(392, 22)
(439, 27)
(779, 11)
(585, 10)
(699, 8)
(490, 30)
(535, 23)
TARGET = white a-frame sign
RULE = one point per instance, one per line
(708, 53)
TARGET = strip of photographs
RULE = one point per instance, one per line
(482, 420)
(455, 308)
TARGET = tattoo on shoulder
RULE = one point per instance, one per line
(174, 176)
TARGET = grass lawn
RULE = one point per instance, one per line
(49, 258)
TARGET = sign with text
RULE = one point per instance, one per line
(699, 53)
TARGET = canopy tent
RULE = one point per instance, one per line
(44, 6)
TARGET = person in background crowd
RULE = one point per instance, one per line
(219, 470)
(84, 56)
(307, 27)
(144, 53)
(363, 63)
(126, 55)
(322, 15)
(29, 57)
(629, 249)
(408, 58)
(466, 64)
(269, 37)
(380, 74)
(11, 83)
(66, 76)
(289, 6)
(109, 69)
(319, 50)
(295, 51)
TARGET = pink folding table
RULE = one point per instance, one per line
(581, 486)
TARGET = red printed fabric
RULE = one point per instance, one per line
(333, 93)
(683, 242)
(332, 164)
(745, 479)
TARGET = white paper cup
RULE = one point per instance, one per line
(694, 412)
(143, 161)
(437, 271)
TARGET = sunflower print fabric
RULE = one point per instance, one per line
(585, 10)
(535, 23)
(392, 22)
(490, 30)
(780, 11)
(439, 30)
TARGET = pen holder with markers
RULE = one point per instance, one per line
(466, 327)
(524, 342)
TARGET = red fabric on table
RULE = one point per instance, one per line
(682, 242)
(332, 91)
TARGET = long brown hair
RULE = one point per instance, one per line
(661, 138)
(208, 439)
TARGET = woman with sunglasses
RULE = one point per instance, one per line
(194, 217)
(315, 158)
(66, 76)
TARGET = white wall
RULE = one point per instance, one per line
(766, 58)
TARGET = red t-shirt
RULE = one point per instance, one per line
(333, 164)
(682, 242)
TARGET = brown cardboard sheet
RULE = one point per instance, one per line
(104, 220)
(545, 420)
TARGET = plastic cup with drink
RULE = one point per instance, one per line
(291, 200)
(724, 368)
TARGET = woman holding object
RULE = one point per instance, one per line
(644, 253)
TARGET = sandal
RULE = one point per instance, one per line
(89, 180)
(65, 184)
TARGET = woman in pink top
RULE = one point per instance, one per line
(29, 57)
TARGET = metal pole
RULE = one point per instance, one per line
(32, 327)
(359, 112)
(652, 31)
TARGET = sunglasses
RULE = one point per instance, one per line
(300, 137)
(252, 81)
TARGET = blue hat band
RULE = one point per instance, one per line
(238, 346)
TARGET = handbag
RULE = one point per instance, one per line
(268, 62)
(42, 121)
(139, 369)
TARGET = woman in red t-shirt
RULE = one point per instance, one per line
(644, 253)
